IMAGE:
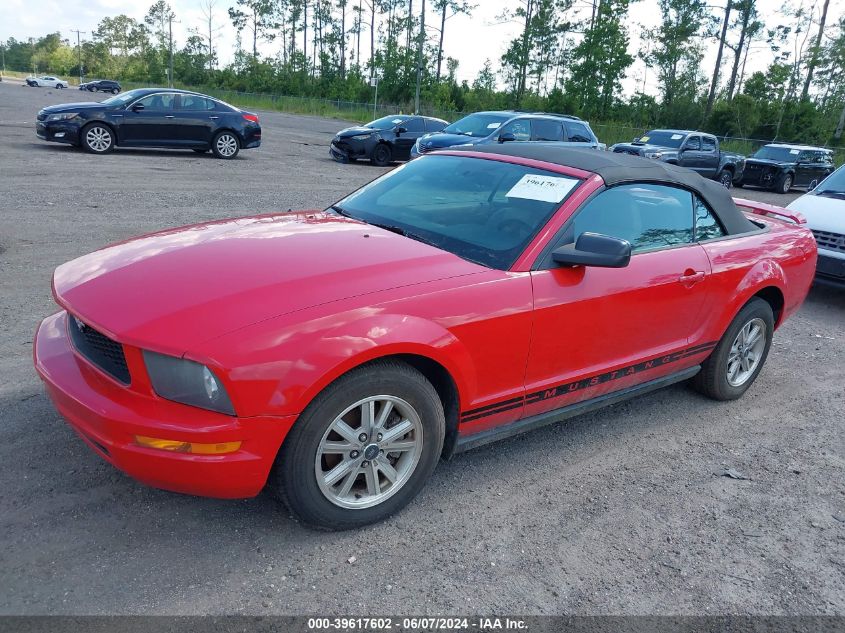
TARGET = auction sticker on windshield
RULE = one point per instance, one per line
(542, 188)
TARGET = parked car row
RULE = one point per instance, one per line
(101, 85)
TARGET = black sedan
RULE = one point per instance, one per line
(152, 117)
(101, 85)
(383, 140)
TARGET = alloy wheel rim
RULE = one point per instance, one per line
(726, 180)
(98, 138)
(369, 452)
(746, 352)
(226, 145)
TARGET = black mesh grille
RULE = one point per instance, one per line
(830, 241)
(99, 349)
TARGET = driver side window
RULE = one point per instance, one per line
(157, 102)
(521, 129)
(693, 143)
(648, 216)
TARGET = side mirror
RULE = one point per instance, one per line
(137, 107)
(593, 249)
(506, 137)
(400, 130)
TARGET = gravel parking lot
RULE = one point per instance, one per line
(617, 512)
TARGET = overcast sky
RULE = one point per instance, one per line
(469, 40)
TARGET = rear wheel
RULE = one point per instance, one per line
(726, 179)
(97, 138)
(739, 357)
(381, 155)
(225, 145)
(363, 449)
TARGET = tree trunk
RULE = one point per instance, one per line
(841, 127)
(715, 82)
(814, 56)
(523, 71)
(305, 33)
(440, 46)
(410, 22)
(420, 59)
(343, 41)
(746, 16)
(373, 37)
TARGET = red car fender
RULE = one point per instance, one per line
(766, 273)
(283, 378)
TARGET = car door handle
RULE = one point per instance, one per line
(214, 117)
(691, 277)
(169, 116)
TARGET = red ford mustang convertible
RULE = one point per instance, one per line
(336, 355)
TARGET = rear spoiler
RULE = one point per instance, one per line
(770, 210)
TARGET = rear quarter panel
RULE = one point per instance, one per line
(780, 255)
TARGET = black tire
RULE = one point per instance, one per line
(382, 155)
(712, 380)
(784, 183)
(294, 476)
(97, 138)
(725, 178)
(92, 89)
(114, 91)
(225, 145)
(813, 184)
(59, 87)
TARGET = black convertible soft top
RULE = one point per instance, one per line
(616, 169)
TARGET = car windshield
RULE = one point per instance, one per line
(485, 211)
(386, 122)
(833, 184)
(125, 97)
(477, 125)
(782, 154)
(662, 138)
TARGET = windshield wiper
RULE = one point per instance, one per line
(341, 211)
(831, 192)
(400, 231)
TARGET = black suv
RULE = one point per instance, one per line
(101, 85)
(782, 167)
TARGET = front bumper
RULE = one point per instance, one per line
(830, 270)
(57, 131)
(108, 416)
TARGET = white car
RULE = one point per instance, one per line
(47, 81)
(824, 208)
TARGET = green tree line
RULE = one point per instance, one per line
(566, 57)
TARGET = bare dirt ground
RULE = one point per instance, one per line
(618, 512)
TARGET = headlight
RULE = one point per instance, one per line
(361, 137)
(63, 116)
(654, 154)
(187, 382)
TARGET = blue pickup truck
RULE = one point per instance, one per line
(695, 150)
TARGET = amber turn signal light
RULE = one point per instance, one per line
(176, 446)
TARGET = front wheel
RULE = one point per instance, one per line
(739, 357)
(225, 145)
(363, 449)
(381, 155)
(59, 86)
(114, 91)
(726, 179)
(97, 138)
(785, 184)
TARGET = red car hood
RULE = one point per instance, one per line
(175, 289)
